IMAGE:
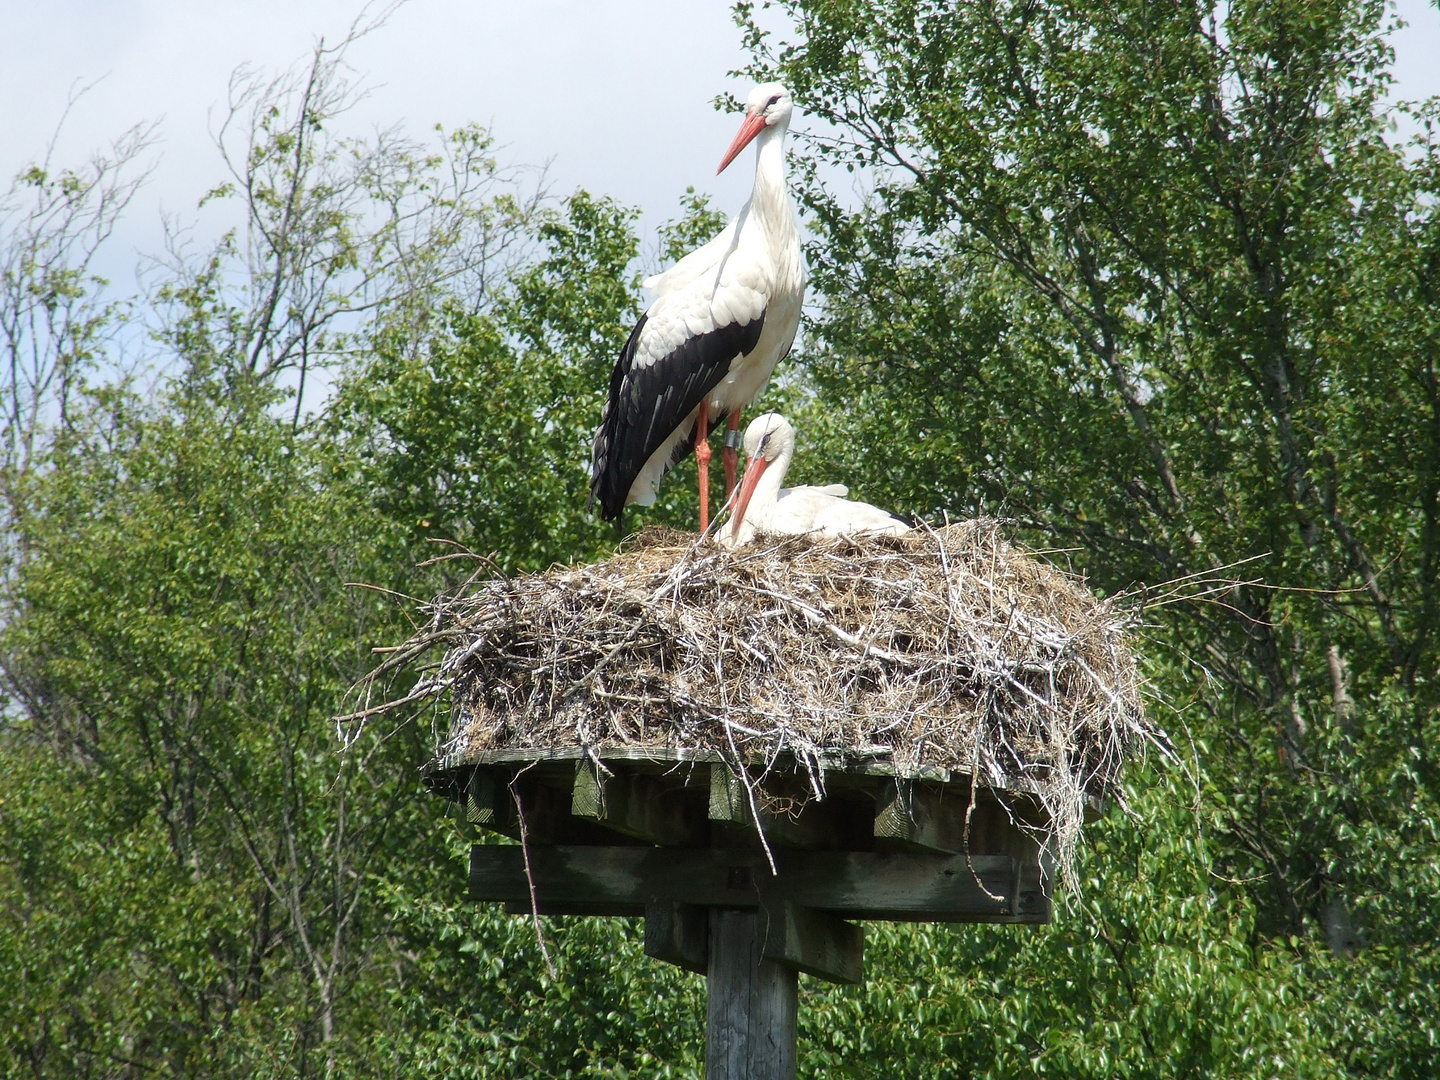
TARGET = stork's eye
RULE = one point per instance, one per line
(773, 99)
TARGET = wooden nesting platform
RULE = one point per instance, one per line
(671, 835)
(612, 719)
(633, 832)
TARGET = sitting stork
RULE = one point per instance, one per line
(721, 319)
(763, 506)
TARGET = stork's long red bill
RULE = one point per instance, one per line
(753, 125)
(753, 471)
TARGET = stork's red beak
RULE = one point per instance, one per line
(754, 469)
(754, 123)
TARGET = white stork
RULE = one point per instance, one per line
(763, 506)
(721, 319)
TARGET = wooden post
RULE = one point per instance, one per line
(750, 1026)
(670, 843)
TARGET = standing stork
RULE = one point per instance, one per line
(721, 319)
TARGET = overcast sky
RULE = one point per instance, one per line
(614, 94)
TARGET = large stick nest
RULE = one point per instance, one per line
(945, 648)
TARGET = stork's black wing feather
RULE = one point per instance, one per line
(646, 404)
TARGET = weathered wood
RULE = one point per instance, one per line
(678, 934)
(561, 910)
(854, 884)
(914, 815)
(750, 1015)
(643, 807)
(814, 942)
(918, 816)
(524, 755)
(684, 766)
(729, 799)
(488, 803)
(813, 825)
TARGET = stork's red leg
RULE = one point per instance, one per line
(731, 454)
(702, 457)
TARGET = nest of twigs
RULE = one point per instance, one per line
(943, 647)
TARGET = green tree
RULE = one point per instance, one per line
(1150, 281)
(189, 875)
(178, 633)
(194, 880)
(482, 434)
(55, 320)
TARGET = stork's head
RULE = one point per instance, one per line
(768, 105)
(769, 438)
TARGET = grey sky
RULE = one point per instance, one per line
(614, 93)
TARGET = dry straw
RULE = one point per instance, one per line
(946, 648)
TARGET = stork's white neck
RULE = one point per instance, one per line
(770, 201)
(767, 490)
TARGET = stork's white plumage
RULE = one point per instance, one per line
(763, 506)
(721, 319)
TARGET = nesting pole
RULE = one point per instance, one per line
(749, 902)
(750, 1012)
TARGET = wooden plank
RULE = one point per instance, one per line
(814, 942)
(490, 804)
(729, 799)
(617, 911)
(525, 755)
(916, 816)
(643, 807)
(547, 813)
(447, 774)
(678, 934)
(913, 815)
(750, 1009)
(813, 826)
(852, 884)
(841, 761)
(686, 766)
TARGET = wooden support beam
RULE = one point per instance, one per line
(853, 884)
(814, 942)
(911, 815)
(920, 815)
(488, 803)
(590, 908)
(678, 934)
(639, 806)
(547, 814)
(813, 826)
(750, 1012)
(729, 799)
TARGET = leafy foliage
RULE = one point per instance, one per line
(1148, 280)
(484, 435)
(181, 650)
(1152, 282)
